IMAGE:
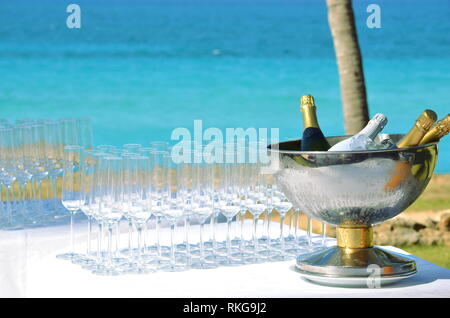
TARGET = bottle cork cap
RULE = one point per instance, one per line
(426, 120)
(380, 119)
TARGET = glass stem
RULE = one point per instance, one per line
(54, 194)
(8, 205)
(255, 238)
(89, 233)
(186, 238)
(117, 248)
(309, 231)
(324, 233)
(33, 200)
(18, 201)
(172, 244)
(158, 235)
(269, 219)
(130, 239)
(45, 191)
(264, 226)
(110, 233)
(296, 220)
(213, 232)
(228, 238)
(24, 200)
(144, 237)
(202, 247)
(13, 197)
(72, 238)
(40, 200)
(99, 242)
(291, 219)
(241, 243)
(139, 230)
(282, 215)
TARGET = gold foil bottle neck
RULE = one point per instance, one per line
(438, 131)
(308, 109)
(443, 126)
(418, 131)
(426, 120)
(307, 101)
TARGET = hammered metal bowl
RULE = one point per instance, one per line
(358, 188)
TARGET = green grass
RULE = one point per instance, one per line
(436, 204)
(436, 254)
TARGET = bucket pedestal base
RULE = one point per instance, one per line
(358, 267)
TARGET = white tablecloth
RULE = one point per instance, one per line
(28, 268)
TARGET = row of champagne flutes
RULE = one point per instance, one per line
(182, 184)
(31, 154)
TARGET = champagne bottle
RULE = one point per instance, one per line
(313, 138)
(362, 140)
(438, 131)
(418, 131)
(403, 169)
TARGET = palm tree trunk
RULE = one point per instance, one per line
(349, 61)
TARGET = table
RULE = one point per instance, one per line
(28, 268)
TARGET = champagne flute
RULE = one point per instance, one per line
(159, 197)
(174, 208)
(183, 154)
(282, 205)
(229, 203)
(90, 165)
(128, 164)
(137, 199)
(202, 198)
(256, 199)
(72, 197)
(296, 245)
(110, 191)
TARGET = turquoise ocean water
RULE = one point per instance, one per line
(140, 69)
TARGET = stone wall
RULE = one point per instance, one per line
(414, 228)
(407, 231)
